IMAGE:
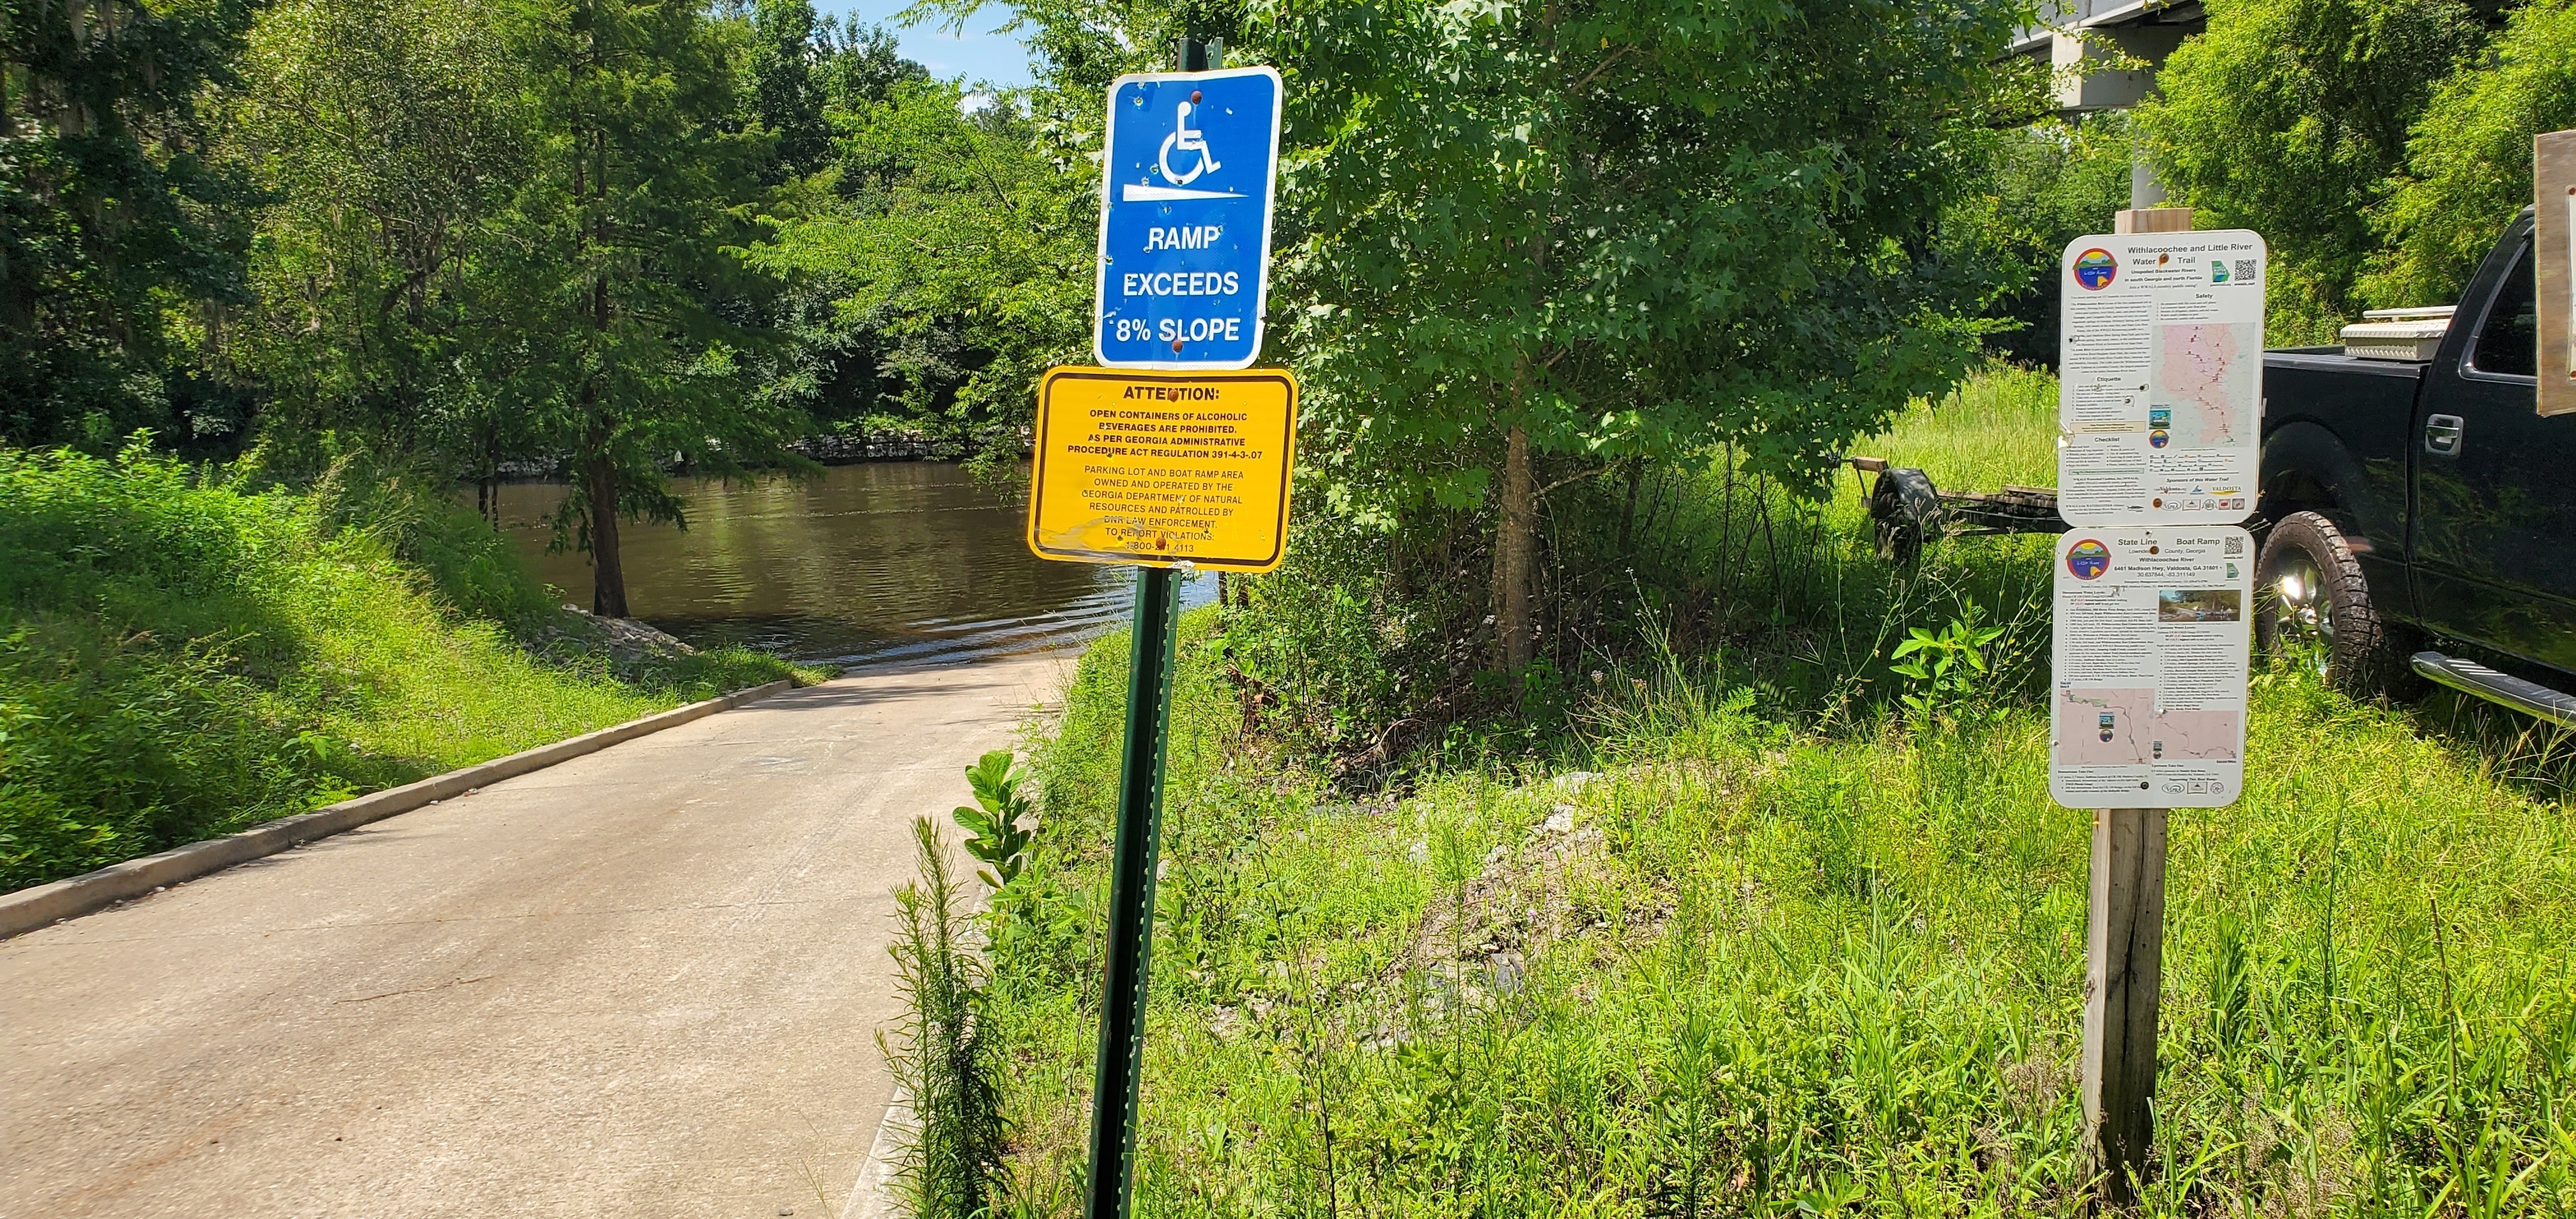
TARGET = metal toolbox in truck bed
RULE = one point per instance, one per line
(2398, 334)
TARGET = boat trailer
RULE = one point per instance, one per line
(1906, 510)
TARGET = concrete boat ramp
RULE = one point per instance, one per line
(646, 981)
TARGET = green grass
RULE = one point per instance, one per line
(2000, 429)
(1769, 960)
(181, 657)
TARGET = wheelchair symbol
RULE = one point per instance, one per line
(1187, 140)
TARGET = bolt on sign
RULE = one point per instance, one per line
(1158, 469)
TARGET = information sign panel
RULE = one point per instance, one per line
(1160, 469)
(2147, 706)
(1185, 218)
(2160, 377)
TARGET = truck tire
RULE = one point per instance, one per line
(1906, 510)
(2311, 601)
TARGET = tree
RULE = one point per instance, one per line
(2468, 165)
(630, 228)
(787, 92)
(2289, 116)
(843, 362)
(1545, 237)
(860, 64)
(121, 239)
(2050, 183)
(962, 237)
(390, 137)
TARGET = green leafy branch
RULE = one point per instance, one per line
(994, 819)
(1948, 670)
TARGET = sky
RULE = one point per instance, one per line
(979, 56)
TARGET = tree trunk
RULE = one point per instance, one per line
(1628, 516)
(607, 565)
(608, 572)
(1516, 558)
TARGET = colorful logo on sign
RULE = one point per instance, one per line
(2095, 269)
(2088, 559)
(2159, 438)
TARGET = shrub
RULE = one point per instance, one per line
(2287, 116)
(993, 821)
(2469, 165)
(183, 657)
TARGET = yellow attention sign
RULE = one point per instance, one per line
(1158, 469)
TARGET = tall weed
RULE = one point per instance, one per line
(1737, 970)
(943, 1056)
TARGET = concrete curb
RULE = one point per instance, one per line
(44, 905)
(872, 1196)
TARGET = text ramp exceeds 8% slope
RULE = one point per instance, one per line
(1185, 218)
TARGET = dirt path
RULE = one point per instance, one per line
(643, 982)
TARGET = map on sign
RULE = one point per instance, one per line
(2104, 726)
(2150, 649)
(2160, 385)
(2120, 726)
(2202, 376)
(1158, 469)
(1185, 218)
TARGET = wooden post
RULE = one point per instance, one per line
(2124, 947)
(2553, 194)
(2152, 220)
(2123, 978)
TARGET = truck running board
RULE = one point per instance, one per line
(2470, 677)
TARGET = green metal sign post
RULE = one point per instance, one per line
(1131, 891)
(1137, 850)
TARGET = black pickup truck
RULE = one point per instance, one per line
(2417, 517)
(2420, 517)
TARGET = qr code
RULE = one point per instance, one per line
(2235, 546)
(2244, 268)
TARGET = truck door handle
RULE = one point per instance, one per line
(2442, 434)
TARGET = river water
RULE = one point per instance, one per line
(866, 564)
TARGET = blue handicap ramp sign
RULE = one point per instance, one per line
(1185, 218)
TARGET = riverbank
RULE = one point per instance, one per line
(1725, 942)
(182, 657)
